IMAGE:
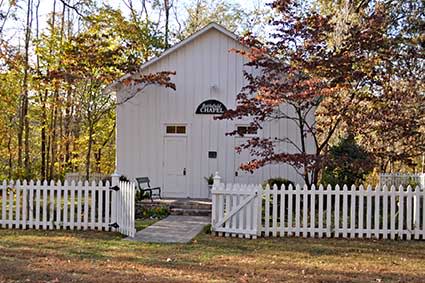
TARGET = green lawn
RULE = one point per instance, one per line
(143, 223)
(65, 256)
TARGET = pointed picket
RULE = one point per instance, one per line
(79, 189)
(329, 193)
(31, 205)
(337, 210)
(369, 211)
(274, 211)
(344, 211)
(360, 213)
(312, 211)
(58, 220)
(385, 212)
(305, 211)
(282, 215)
(376, 222)
(321, 215)
(107, 205)
(72, 189)
(290, 210)
(353, 202)
(93, 205)
(52, 188)
(401, 212)
(297, 210)
(100, 208)
(234, 199)
(44, 204)
(417, 213)
(409, 208)
(24, 204)
(66, 190)
(17, 204)
(229, 188)
(3, 204)
(11, 205)
(423, 211)
(86, 205)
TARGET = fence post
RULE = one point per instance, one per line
(115, 180)
(259, 210)
(215, 186)
(217, 180)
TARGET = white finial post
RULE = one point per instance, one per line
(115, 179)
(217, 181)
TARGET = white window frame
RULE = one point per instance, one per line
(165, 125)
(246, 135)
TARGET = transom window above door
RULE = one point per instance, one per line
(175, 129)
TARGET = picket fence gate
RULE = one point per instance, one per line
(348, 212)
(80, 206)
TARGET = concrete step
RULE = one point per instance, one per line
(191, 205)
(190, 211)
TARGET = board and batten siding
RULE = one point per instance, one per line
(199, 65)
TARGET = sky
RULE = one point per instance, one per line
(15, 29)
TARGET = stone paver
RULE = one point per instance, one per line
(173, 229)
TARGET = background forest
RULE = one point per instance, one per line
(58, 56)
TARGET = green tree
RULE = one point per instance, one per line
(348, 163)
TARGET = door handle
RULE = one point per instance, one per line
(184, 171)
(236, 173)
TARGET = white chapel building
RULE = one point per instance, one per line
(172, 137)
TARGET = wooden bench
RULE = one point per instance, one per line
(143, 185)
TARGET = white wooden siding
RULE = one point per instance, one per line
(200, 64)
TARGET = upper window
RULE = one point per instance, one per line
(246, 130)
(175, 130)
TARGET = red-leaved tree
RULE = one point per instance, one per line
(327, 73)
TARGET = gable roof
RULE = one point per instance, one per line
(177, 46)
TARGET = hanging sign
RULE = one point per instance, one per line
(211, 107)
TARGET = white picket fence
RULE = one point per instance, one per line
(401, 179)
(80, 206)
(348, 212)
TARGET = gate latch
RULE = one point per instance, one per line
(114, 225)
(115, 188)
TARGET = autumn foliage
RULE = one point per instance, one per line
(361, 75)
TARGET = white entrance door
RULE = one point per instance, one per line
(242, 176)
(175, 171)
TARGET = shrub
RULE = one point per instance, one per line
(277, 181)
(154, 212)
(140, 195)
(348, 163)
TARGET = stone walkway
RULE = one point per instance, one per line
(173, 229)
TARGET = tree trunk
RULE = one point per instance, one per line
(167, 19)
(23, 113)
(67, 130)
(53, 143)
(10, 159)
(303, 147)
(89, 149)
(44, 159)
